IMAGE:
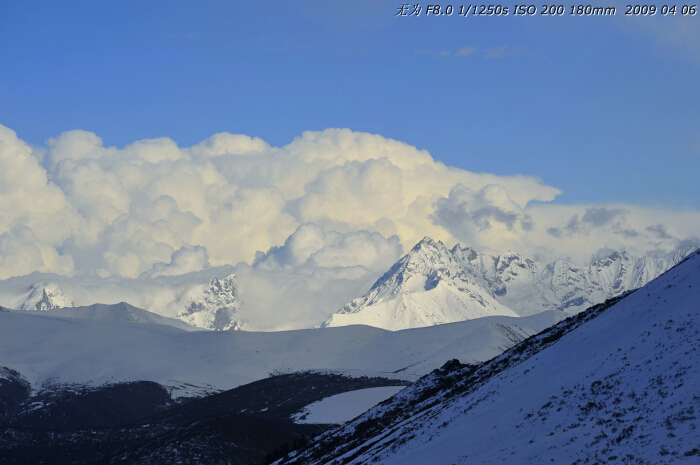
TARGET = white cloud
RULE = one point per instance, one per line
(330, 210)
(182, 261)
(465, 51)
(122, 211)
(309, 247)
(578, 232)
(21, 252)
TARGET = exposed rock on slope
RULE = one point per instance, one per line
(213, 306)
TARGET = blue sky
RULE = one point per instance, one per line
(306, 146)
(607, 110)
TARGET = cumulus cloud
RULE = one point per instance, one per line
(126, 212)
(21, 252)
(320, 217)
(628, 233)
(310, 247)
(182, 261)
(582, 231)
(485, 216)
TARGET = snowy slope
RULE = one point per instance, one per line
(433, 285)
(117, 313)
(426, 287)
(51, 350)
(45, 296)
(615, 384)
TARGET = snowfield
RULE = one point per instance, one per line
(54, 351)
(615, 384)
(341, 408)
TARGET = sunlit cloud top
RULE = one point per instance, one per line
(325, 199)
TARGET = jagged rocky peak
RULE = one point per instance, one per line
(45, 296)
(429, 251)
(463, 254)
(507, 259)
(428, 258)
(612, 258)
(213, 306)
(427, 286)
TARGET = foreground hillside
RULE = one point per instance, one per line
(614, 384)
(137, 423)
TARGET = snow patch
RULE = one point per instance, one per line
(341, 408)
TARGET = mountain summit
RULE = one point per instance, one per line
(213, 306)
(426, 287)
(433, 285)
(45, 296)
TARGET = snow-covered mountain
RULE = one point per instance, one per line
(45, 296)
(208, 305)
(528, 287)
(212, 306)
(56, 351)
(117, 313)
(614, 384)
(426, 287)
(434, 285)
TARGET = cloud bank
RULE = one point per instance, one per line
(331, 207)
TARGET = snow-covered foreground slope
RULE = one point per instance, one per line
(433, 285)
(615, 384)
(50, 350)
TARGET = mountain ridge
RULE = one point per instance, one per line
(480, 284)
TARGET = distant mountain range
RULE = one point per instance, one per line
(116, 313)
(430, 285)
(434, 285)
(213, 305)
(103, 344)
(45, 296)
